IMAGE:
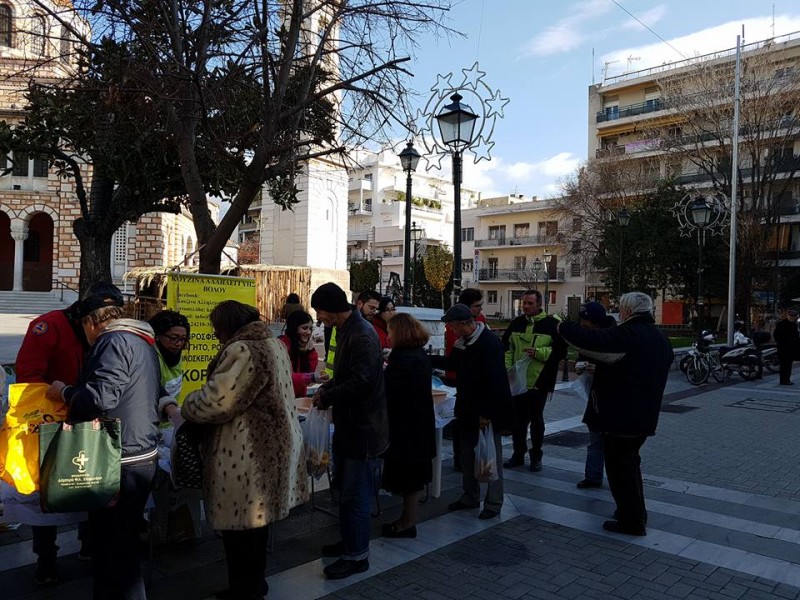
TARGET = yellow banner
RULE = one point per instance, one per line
(194, 296)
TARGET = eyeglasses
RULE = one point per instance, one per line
(478, 305)
(176, 339)
(389, 310)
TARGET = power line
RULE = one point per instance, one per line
(635, 18)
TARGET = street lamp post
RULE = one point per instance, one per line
(409, 159)
(624, 219)
(416, 233)
(457, 125)
(701, 217)
(547, 257)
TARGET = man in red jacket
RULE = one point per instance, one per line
(53, 349)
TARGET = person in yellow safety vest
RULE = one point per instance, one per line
(367, 303)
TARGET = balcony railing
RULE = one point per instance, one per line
(357, 209)
(631, 110)
(528, 240)
(521, 275)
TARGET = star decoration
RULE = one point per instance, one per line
(719, 217)
(443, 86)
(472, 77)
(496, 105)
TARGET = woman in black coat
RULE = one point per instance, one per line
(412, 446)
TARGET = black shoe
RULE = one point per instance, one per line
(459, 505)
(588, 483)
(515, 461)
(536, 466)
(787, 383)
(390, 530)
(617, 527)
(333, 550)
(344, 568)
(488, 513)
(616, 516)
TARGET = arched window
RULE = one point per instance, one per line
(6, 18)
(38, 29)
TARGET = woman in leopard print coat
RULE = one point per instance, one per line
(254, 468)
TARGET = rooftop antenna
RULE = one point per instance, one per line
(773, 19)
(605, 68)
(631, 59)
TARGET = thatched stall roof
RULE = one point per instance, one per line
(273, 283)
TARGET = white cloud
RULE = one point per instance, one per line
(648, 17)
(706, 41)
(567, 33)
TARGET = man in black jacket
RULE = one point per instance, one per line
(633, 362)
(482, 398)
(532, 336)
(361, 428)
(787, 339)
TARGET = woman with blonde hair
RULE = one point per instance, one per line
(407, 462)
(254, 469)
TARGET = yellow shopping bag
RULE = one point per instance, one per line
(19, 436)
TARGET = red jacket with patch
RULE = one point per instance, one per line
(52, 350)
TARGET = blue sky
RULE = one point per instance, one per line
(538, 53)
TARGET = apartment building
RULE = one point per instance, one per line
(674, 121)
(513, 243)
(376, 212)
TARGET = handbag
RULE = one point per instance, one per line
(79, 465)
(186, 463)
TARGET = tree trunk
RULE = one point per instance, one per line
(95, 255)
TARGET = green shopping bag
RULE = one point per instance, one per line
(79, 465)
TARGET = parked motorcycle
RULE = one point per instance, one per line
(703, 362)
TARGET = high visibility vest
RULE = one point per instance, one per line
(331, 354)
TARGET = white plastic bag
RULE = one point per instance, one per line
(316, 439)
(486, 456)
(518, 376)
(582, 386)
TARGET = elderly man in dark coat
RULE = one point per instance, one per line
(482, 397)
(633, 362)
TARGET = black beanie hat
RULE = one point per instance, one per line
(330, 298)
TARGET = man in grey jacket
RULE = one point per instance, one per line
(361, 428)
(120, 379)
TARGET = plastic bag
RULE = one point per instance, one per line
(19, 436)
(316, 439)
(518, 376)
(486, 456)
(582, 386)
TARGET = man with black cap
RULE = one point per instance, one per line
(483, 397)
(53, 349)
(361, 429)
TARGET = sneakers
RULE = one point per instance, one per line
(345, 568)
(588, 483)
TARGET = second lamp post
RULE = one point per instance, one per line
(409, 159)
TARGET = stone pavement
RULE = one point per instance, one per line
(723, 490)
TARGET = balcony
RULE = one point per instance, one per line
(631, 110)
(530, 240)
(359, 235)
(517, 275)
(362, 208)
(356, 184)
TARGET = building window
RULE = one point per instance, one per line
(121, 244)
(522, 230)
(577, 223)
(467, 234)
(38, 28)
(575, 269)
(491, 296)
(368, 177)
(368, 204)
(497, 232)
(467, 266)
(66, 44)
(576, 246)
(39, 167)
(492, 267)
(519, 262)
(5, 25)
(20, 167)
(548, 228)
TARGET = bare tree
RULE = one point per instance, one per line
(699, 144)
(261, 86)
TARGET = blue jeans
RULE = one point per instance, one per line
(594, 458)
(357, 485)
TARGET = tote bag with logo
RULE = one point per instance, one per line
(80, 465)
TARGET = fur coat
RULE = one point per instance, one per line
(254, 466)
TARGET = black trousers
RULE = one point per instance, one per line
(44, 540)
(116, 544)
(529, 410)
(246, 559)
(785, 364)
(623, 470)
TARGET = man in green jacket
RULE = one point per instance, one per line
(532, 337)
